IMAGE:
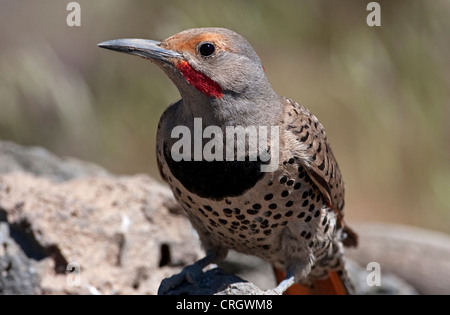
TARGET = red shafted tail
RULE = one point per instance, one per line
(333, 285)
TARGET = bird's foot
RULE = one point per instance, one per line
(282, 287)
(188, 274)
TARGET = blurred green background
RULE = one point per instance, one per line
(382, 93)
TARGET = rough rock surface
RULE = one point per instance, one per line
(70, 227)
(117, 230)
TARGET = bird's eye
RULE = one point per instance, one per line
(206, 49)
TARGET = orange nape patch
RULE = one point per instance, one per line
(200, 81)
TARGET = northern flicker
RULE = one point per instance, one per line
(290, 216)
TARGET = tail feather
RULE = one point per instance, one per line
(335, 284)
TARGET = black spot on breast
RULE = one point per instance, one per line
(256, 206)
(222, 221)
(215, 180)
(277, 216)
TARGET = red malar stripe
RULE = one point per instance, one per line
(200, 81)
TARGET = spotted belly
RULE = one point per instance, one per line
(282, 205)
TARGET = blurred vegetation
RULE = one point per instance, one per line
(382, 92)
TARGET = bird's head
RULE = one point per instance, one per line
(206, 63)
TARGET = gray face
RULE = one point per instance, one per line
(218, 73)
(222, 55)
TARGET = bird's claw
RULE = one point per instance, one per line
(188, 274)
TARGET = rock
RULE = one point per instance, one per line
(40, 162)
(390, 284)
(418, 256)
(213, 281)
(17, 275)
(60, 216)
(101, 224)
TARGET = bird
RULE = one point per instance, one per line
(284, 200)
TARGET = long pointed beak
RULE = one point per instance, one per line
(145, 48)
